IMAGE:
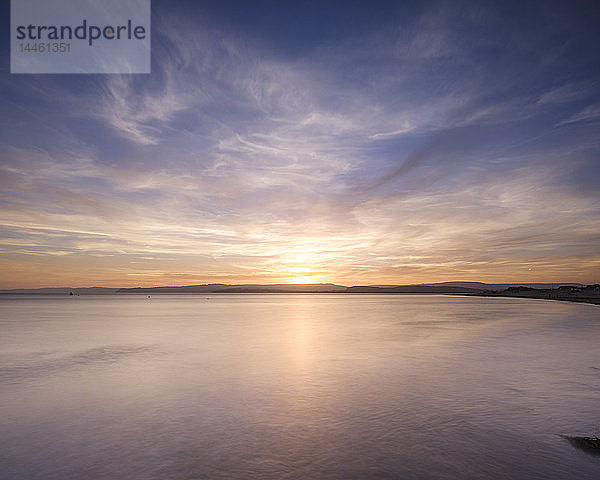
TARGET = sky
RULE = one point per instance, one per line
(357, 143)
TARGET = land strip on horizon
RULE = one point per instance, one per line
(573, 292)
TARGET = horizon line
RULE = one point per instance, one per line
(381, 285)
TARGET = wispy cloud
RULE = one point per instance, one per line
(591, 112)
(566, 93)
(417, 155)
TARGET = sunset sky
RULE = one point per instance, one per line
(311, 142)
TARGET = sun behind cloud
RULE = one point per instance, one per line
(304, 280)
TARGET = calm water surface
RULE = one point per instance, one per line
(296, 387)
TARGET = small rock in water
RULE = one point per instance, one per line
(587, 444)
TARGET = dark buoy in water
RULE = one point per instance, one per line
(71, 293)
(148, 296)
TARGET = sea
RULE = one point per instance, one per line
(296, 386)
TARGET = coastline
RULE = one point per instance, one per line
(542, 295)
(588, 300)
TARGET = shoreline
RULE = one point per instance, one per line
(586, 300)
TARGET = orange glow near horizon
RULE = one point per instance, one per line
(127, 271)
(306, 280)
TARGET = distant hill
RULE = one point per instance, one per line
(250, 288)
(502, 286)
(557, 291)
(62, 291)
(430, 289)
(483, 286)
